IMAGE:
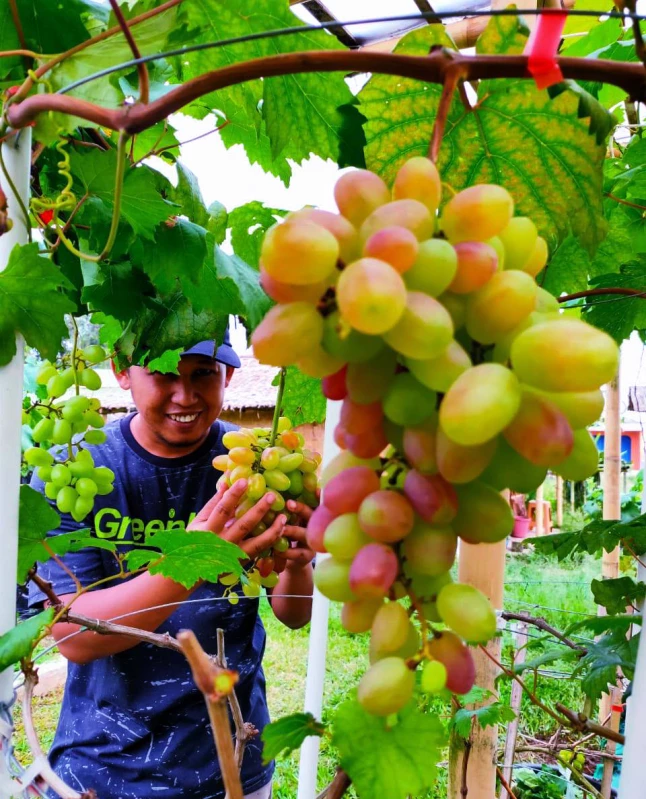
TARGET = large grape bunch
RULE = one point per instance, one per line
(284, 467)
(71, 479)
(459, 378)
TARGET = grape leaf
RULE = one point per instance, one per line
(620, 622)
(303, 401)
(598, 668)
(287, 734)
(594, 537)
(167, 362)
(485, 716)
(248, 224)
(32, 302)
(254, 303)
(18, 642)
(188, 196)
(619, 316)
(550, 656)
(218, 222)
(156, 137)
(388, 762)
(177, 259)
(187, 557)
(117, 289)
(615, 595)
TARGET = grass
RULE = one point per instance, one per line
(534, 584)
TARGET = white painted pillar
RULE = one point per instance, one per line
(315, 680)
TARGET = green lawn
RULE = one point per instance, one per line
(541, 587)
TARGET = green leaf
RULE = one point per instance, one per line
(168, 362)
(19, 642)
(248, 224)
(615, 595)
(389, 762)
(36, 518)
(155, 138)
(552, 655)
(486, 716)
(188, 196)
(117, 289)
(287, 734)
(303, 401)
(595, 537)
(619, 624)
(177, 259)
(188, 556)
(33, 303)
(218, 222)
(254, 303)
(619, 316)
(605, 656)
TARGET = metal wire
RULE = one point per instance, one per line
(331, 26)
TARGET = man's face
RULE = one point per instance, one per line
(176, 411)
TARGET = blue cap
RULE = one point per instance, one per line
(224, 353)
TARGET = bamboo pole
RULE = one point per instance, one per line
(520, 641)
(559, 501)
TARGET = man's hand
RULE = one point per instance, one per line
(299, 554)
(218, 516)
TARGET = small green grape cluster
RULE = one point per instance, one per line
(286, 469)
(74, 481)
(572, 760)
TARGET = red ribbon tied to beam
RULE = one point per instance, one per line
(542, 47)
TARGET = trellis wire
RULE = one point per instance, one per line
(329, 26)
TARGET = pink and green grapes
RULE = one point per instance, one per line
(71, 479)
(459, 378)
(285, 468)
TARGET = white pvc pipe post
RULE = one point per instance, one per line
(315, 680)
(16, 152)
(633, 774)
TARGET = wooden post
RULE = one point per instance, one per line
(481, 565)
(559, 501)
(540, 514)
(520, 641)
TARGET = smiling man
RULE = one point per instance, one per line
(132, 722)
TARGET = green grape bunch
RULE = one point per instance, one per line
(71, 479)
(284, 467)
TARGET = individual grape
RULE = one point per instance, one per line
(373, 571)
(251, 590)
(66, 498)
(220, 462)
(477, 213)
(508, 469)
(345, 492)
(103, 474)
(434, 269)
(270, 458)
(83, 466)
(589, 360)
(292, 440)
(396, 246)
(424, 330)
(456, 305)
(104, 488)
(82, 507)
(90, 379)
(369, 381)
(35, 456)
(519, 239)
(331, 577)
(299, 252)
(345, 460)
(238, 438)
(409, 214)
(241, 472)
(279, 502)
(540, 432)
(459, 464)
(233, 598)
(256, 487)
(61, 475)
(310, 481)
(581, 408)
(357, 616)
(51, 491)
(343, 231)
(386, 687)
(432, 497)
(290, 462)
(419, 445)
(418, 179)
(441, 372)
(318, 363)
(389, 628)
(546, 303)
(93, 419)
(371, 296)
(480, 404)
(499, 247)
(86, 487)
(229, 579)
(407, 401)
(468, 612)
(583, 461)
(425, 587)
(75, 407)
(344, 537)
(94, 353)
(386, 516)
(340, 340)
(311, 461)
(68, 377)
(434, 677)
(502, 349)
(538, 258)
(56, 386)
(477, 263)
(369, 444)
(281, 545)
(95, 437)
(270, 581)
(359, 419)
(286, 333)
(430, 550)
(359, 193)
(500, 306)
(44, 473)
(45, 373)
(333, 387)
(484, 516)
(409, 648)
(288, 292)
(284, 424)
(449, 650)
(245, 506)
(242, 455)
(265, 566)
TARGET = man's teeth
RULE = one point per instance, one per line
(187, 417)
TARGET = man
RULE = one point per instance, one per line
(132, 722)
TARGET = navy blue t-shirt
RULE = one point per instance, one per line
(134, 724)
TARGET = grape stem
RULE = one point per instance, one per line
(448, 90)
(279, 402)
(142, 69)
(594, 292)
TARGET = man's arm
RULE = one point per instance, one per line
(296, 580)
(132, 599)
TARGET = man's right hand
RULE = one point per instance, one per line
(218, 516)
